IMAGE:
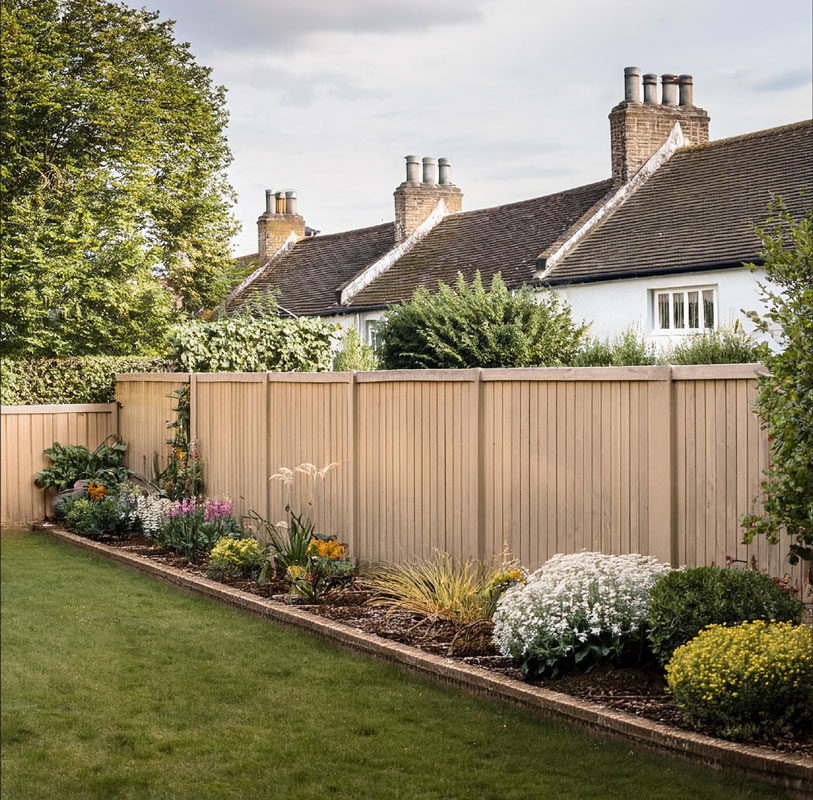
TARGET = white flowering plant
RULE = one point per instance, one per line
(151, 511)
(577, 611)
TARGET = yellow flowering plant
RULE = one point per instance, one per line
(745, 680)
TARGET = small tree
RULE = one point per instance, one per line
(466, 326)
(354, 354)
(785, 399)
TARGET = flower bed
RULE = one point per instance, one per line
(594, 626)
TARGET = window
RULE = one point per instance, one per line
(686, 309)
(372, 327)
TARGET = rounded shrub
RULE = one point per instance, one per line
(577, 611)
(235, 557)
(745, 680)
(684, 602)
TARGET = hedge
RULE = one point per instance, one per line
(75, 379)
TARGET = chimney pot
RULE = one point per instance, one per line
(669, 90)
(280, 197)
(430, 171)
(632, 84)
(444, 172)
(686, 90)
(413, 169)
(290, 202)
(269, 201)
(651, 89)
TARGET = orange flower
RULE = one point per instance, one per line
(96, 491)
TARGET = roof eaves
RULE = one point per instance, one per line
(548, 261)
(348, 290)
(598, 277)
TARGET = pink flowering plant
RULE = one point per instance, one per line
(192, 526)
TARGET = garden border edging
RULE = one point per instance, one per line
(792, 773)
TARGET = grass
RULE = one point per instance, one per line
(117, 686)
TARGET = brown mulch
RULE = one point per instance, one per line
(636, 691)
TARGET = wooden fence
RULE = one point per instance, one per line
(26, 432)
(659, 460)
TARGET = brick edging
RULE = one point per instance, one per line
(792, 773)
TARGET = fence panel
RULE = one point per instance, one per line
(146, 409)
(26, 432)
(659, 460)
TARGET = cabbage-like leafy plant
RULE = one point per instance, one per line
(73, 462)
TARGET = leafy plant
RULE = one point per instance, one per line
(684, 602)
(628, 348)
(577, 611)
(751, 679)
(726, 345)
(183, 475)
(97, 519)
(242, 343)
(354, 354)
(441, 588)
(236, 557)
(785, 400)
(289, 541)
(75, 462)
(467, 326)
(75, 379)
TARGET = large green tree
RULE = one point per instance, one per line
(115, 205)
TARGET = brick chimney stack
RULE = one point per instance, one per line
(277, 223)
(638, 129)
(417, 197)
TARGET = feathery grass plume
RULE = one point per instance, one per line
(442, 588)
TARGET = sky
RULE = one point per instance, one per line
(326, 97)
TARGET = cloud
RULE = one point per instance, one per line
(779, 81)
(260, 25)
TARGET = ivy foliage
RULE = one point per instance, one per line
(115, 204)
(77, 379)
(785, 399)
(468, 326)
(253, 344)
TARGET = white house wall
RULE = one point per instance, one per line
(612, 306)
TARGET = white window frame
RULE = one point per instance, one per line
(671, 291)
(371, 327)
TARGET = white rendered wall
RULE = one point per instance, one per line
(612, 306)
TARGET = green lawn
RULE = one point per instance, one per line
(114, 686)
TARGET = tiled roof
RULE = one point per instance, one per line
(308, 275)
(698, 209)
(505, 239)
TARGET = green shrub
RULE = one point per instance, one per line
(467, 326)
(751, 679)
(73, 462)
(684, 602)
(96, 519)
(727, 345)
(628, 348)
(76, 379)
(442, 588)
(785, 399)
(236, 557)
(243, 343)
(354, 354)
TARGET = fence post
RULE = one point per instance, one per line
(478, 462)
(193, 407)
(352, 457)
(660, 424)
